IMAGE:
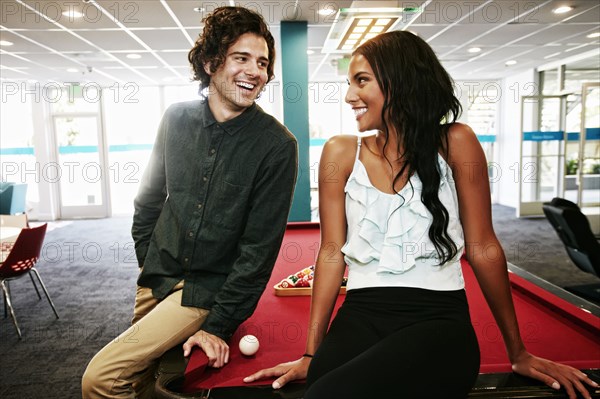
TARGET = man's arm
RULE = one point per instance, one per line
(151, 195)
(259, 245)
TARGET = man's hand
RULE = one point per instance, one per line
(215, 348)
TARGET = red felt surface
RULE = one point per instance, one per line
(550, 326)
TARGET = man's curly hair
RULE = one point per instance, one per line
(221, 29)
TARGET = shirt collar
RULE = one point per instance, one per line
(231, 126)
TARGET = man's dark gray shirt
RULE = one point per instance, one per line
(212, 209)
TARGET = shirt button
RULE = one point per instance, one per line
(213, 151)
(199, 206)
(186, 260)
(205, 178)
(191, 234)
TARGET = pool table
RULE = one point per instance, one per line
(554, 324)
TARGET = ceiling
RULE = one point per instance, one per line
(49, 46)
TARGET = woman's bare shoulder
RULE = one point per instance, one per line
(341, 142)
(341, 147)
(340, 151)
(461, 141)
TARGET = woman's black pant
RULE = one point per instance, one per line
(395, 342)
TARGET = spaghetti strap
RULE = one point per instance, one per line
(358, 142)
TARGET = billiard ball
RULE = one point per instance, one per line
(249, 345)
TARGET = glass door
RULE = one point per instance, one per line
(542, 152)
(588, 175)
(80, 168)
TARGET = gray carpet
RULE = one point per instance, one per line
(93, 292)
(533, 245)
(89, 269)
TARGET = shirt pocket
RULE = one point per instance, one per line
(229, 206)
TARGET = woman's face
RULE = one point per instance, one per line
(364, 94)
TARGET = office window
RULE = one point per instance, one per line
(131, 122)
(16, 147)
(329, 115)
(74, 98)
(177, 94)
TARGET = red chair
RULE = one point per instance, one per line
(19, 221)
(20, 261)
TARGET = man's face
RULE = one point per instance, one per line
(240, 79)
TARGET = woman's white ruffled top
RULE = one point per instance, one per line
(387, 241)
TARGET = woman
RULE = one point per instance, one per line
(402, 208)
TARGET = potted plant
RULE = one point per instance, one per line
(572, 166)
(571, 170)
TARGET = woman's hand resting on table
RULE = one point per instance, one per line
(555, 375)
(286, 372)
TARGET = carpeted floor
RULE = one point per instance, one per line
(533, 245)
(89, 269)
(93, 290)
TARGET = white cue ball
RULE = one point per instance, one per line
(249, 345)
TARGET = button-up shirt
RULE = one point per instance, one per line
(212, 209)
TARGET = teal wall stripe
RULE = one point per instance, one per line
(294, 64)
(129, 147)
(17, 151)
(78, 149)
(486, 138)
(591, 134)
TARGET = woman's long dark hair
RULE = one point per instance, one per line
(420, 104)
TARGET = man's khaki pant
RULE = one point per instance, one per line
(125, 367)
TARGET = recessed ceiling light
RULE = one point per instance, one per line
(310, 52)
(593, 35)
(363, 28)
(474, 50)
(133, 56)
(72, 14)
(511, 62)
(5, 43)
(562, 10)
(72, 70)
(199, 9)
(327, 11)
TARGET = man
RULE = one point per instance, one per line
(211, 211)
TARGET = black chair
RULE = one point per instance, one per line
(573, 228)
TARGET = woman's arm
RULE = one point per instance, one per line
(486, 257)
(334, 168)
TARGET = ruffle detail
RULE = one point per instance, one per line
(397, 224)
(445, 172)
